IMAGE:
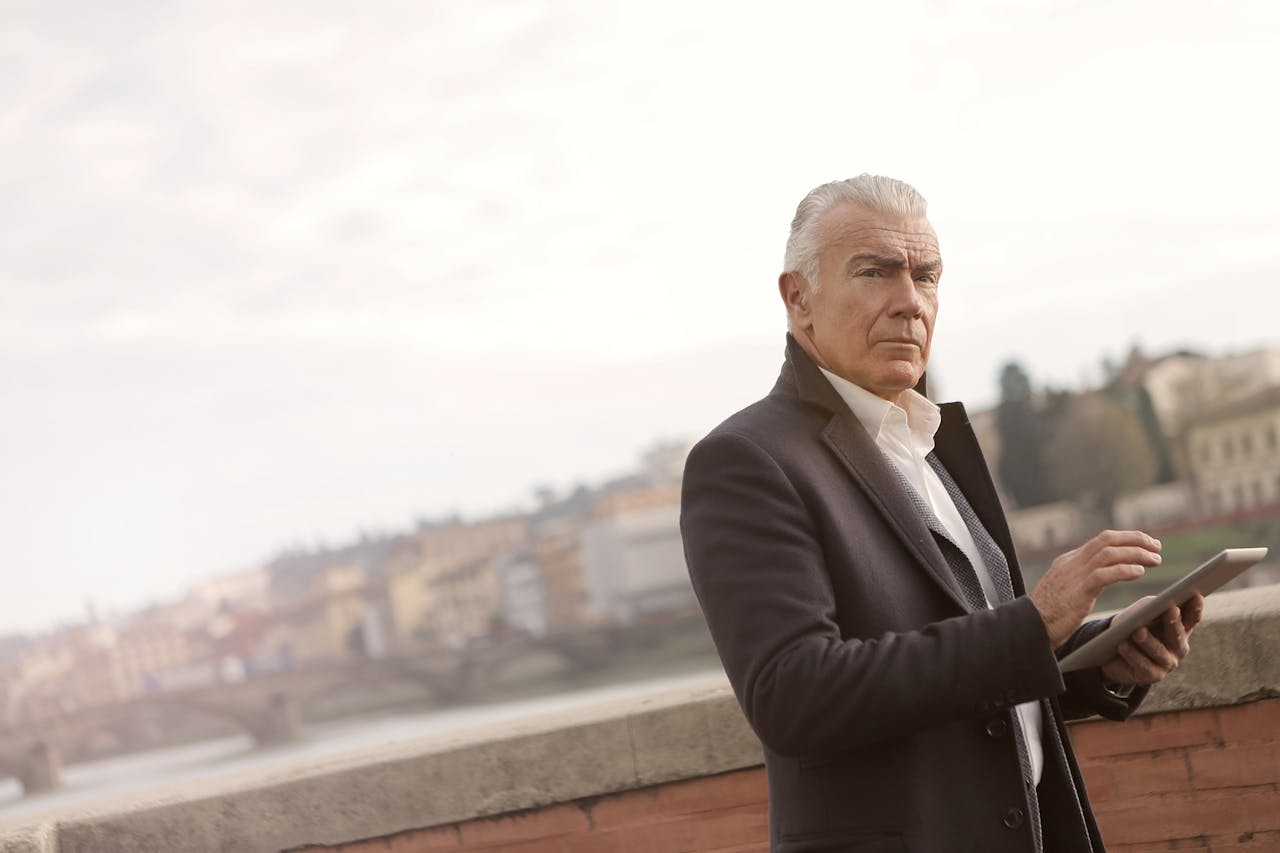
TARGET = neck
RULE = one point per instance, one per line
(805, 340)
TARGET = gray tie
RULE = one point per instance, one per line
(966, 576)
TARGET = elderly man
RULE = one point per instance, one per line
(852, 559)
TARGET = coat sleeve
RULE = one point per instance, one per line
(1086, 694)
(758, 569)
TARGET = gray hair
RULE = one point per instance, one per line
(875, 192)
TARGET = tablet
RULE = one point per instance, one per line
(1223, 567)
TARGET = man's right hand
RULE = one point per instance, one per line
(1069, 589)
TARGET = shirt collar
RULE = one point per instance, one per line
(876, 414)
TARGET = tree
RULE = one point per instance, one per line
(1159, 442)
(1021, 463)
(1098, 451)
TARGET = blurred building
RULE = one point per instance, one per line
(1234, 453)
(248, 590)
(987, 431)
(557, 546)
(466, 599)
(96, 664)
(442, 583)
(663, 463)
(330, 620)
(633, 556)
(151, 650)
(1162, 504)
(34, 682)
(1052, 525)
(524, 596)
(1184, 387)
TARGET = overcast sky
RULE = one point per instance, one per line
(271, 273)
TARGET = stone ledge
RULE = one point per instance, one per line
(33, 839)
(681, 734)
(1235, 655)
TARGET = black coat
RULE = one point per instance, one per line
(884, 703)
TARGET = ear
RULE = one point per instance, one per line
(794, 291)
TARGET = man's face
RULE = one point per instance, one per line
(870, 320)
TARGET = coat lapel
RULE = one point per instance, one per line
(867, 465)
(957, 447)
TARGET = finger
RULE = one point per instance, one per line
(1111, 538)
(1175, 636)
(1118, 671)
(1141, 669)
(1099, 579)
(1192, 612)
(1114, 554)
(1154, 648)
(1144, 670)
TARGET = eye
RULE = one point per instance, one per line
(869, 272)
(928, 278)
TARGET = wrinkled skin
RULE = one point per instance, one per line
(1070, 588)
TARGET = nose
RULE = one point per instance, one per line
(907, 301)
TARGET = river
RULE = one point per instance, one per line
(145, 772)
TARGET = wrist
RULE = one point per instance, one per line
(1054, 627)
(1119, 691)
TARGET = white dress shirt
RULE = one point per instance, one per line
(904, 433)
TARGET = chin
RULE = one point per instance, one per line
(901, 380)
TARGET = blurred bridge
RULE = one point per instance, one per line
(268, 706)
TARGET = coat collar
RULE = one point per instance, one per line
(870, 469)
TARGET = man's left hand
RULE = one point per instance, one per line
(1153, 651)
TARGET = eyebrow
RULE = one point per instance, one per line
(894, 262)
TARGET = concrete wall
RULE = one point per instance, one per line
(680, 771)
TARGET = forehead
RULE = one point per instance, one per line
(849, 229)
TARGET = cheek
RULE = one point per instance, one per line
(930, 315)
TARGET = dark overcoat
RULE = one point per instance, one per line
(883, 701)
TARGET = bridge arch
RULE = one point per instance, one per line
(36, 765)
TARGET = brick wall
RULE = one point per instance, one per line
(725, 813)
(1202, 780)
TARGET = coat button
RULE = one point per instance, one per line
(1014, 818)
(997, 728)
